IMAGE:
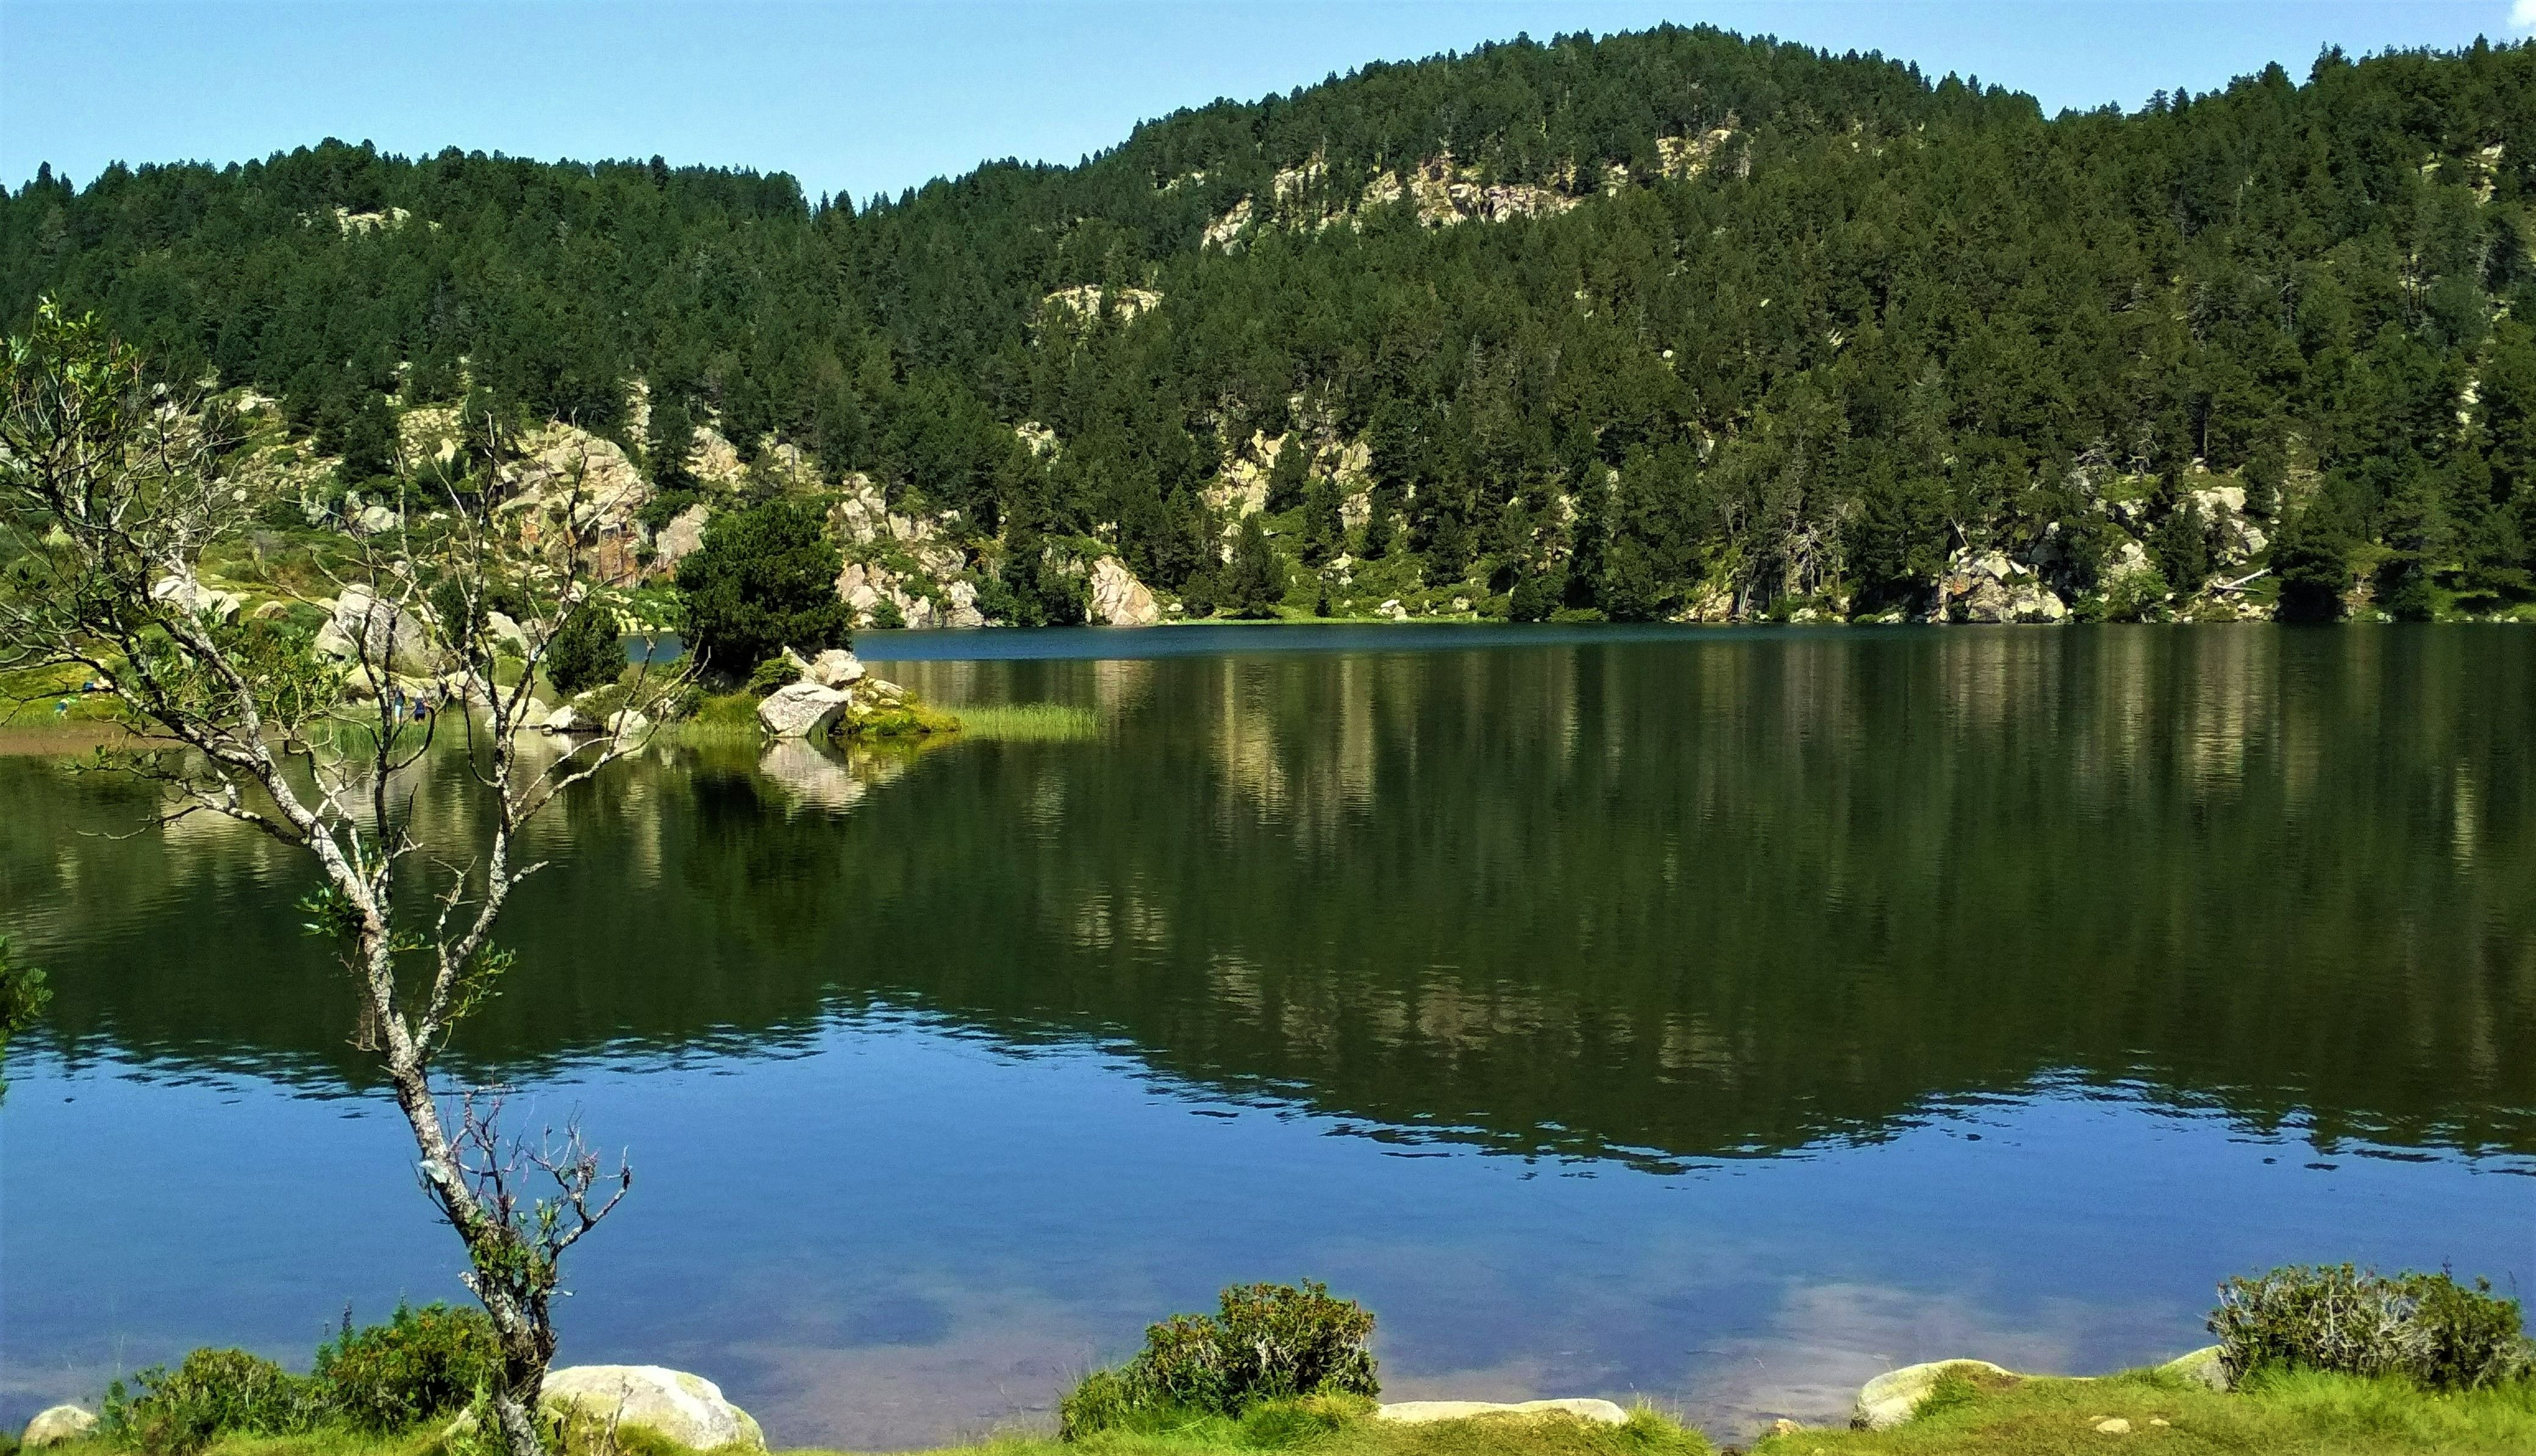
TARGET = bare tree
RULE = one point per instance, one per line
(109, 493)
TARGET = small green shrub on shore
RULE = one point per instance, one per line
(2334, 1317)
(210, 1393)
(422, 1363)
(1267, 1342)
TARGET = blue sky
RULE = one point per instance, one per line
(858, 98)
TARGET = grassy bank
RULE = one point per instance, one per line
(2285, 1415)
(2290, 1413)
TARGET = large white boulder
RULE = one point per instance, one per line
(2203, 1366)
(504, 629)
(394, 637)
(836, 668)
(682, 538)
(686, 1409)
(801, 710)
(57, 1424)
(188, 595)
(1118, 598)
(1890, 1399)
(1419, 1413)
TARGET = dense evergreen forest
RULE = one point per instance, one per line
(1651, 325)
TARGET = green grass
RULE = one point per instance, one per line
(1029, 722)
(2289, 1414)
(2295, 1415)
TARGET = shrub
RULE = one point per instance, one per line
(776, 671)
(585, 651)
(422, 1364)
(764, 580)
(170, 1412)
(2425, 1327)
(1268, 1341)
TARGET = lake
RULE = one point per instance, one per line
(1718, 1017)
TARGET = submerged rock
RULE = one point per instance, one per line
(1418, 1413)
(1890, 1399)
(57, 1424)
(686, 1409)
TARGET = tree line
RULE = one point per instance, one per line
(1887, 319)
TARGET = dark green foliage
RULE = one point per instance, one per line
(1289, 476)
(2312, 559)
(212, 1392)
(1253, 582)
(1891, 316)
(1267, 1342)
(23, 996)
(1036, 590)
(422, 1364)
(2181, 548)
(764, 580)
(2424, 1327)
(586, 652)
(369, 441)
(1324, 526)
(670, 443)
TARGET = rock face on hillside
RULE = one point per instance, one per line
(682, 538)
(686, 1409)
(365, 627)
(1987, 587)
(1118, 600)
(566, 468)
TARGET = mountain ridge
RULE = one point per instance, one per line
(1662, 324)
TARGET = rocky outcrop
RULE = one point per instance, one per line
(1987, 587)
(504, 631)
(802, 709)
(186, 593)
(1118, 600)
(682, 538)
(2235, 539)
(1420, 1413)
(565, 467)
(364, 626)
(836, 668)
(1890, 1399)
(56, 1424)
(686, 1409)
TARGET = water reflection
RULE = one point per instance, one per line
(1661, 899)
(1838, 1000)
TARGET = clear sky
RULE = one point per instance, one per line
(860, 97)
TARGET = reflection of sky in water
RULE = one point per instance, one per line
(897, 1233)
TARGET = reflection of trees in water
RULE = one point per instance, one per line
(1685, 898)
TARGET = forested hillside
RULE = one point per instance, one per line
(1673, 324)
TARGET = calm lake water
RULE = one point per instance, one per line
(1719, 1017)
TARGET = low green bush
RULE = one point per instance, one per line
(2344, 1320)
(422, 1363)
(210, 1393)
(1267, 1342)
